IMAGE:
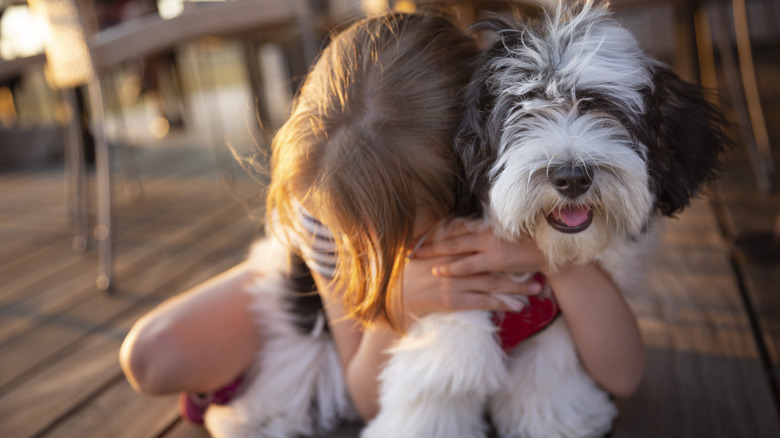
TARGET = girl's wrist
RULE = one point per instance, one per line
(573, 277)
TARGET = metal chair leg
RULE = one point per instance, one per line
(76, 172)
(103, 229)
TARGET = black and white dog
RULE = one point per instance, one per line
(573, 136)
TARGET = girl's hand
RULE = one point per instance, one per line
(424, 293)
(480, 251)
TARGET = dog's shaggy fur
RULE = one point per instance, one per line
(573, 136)
(296, 387)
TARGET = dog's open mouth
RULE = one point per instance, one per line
(572, 219)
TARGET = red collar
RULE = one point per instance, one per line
(515, 327)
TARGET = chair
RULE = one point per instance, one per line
(78, 55)
(13, 67)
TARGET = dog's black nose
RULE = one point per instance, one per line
(571, 181)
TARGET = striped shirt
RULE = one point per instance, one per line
(317, 245)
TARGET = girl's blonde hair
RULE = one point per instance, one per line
(369, 143)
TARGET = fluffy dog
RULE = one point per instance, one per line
(573, 136)
(578, 139)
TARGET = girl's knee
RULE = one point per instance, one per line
(148, 357)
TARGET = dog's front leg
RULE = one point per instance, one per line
(436, 383)
(548, 393)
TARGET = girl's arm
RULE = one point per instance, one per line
(362, 352)
(197, 341)
(603, 326)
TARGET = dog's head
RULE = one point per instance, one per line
(574, 136)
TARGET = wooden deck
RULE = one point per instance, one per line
(59, 336)
(710, 317)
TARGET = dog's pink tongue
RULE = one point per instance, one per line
(572, 216)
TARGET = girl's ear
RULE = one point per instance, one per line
(685, 137)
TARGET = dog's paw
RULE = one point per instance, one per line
(549, 394)
(559, 415)
(446, 355)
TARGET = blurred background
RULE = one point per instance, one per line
(133, 140)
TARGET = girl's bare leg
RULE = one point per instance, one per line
(198, 341)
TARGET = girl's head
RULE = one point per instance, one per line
(368, 148)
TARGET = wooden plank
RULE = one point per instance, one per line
(44, 295)
(705, 376)
(22, 413)
(163, 200)
(91, 310)
(183, 429)
(119, 413)
(24, 277)
(747, 212)
(46, 207)
(20, 256)
(30, 408)
(58, 288)
(151, 416)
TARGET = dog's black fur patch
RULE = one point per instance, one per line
(304, 302)
(685, 137)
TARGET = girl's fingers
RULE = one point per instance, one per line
(476, 301)
(496, 284)
(481, 263)
(425, 293)
(446, 238)
(457, 227)
(465, 266)
(451, 245)
(486, 301)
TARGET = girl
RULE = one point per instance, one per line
(367, 152)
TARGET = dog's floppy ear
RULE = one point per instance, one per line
(474, 141)
(685, 137)
(473, 147)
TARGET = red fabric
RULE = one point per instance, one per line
(192, 407)
(515, 327)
